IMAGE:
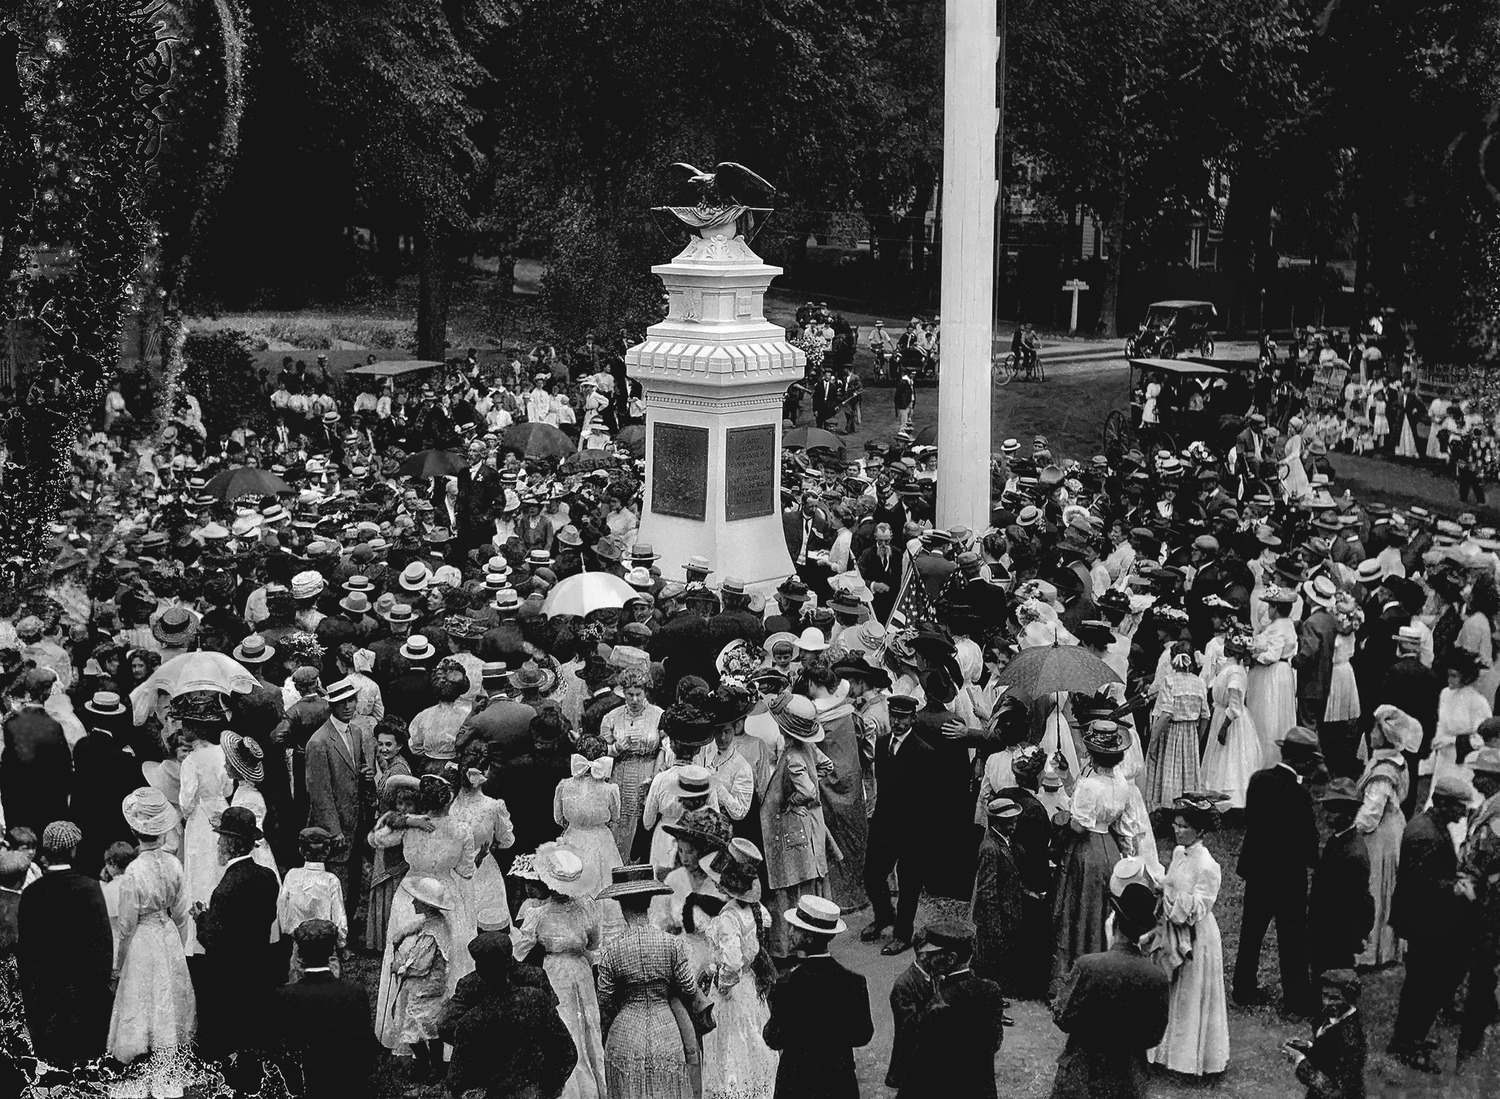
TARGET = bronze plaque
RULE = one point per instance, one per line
(749, 472)
(679, 471)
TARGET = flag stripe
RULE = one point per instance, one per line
(911, 598)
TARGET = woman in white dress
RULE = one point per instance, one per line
(489, 824)
(1477, 633)
(204, 795)
(1196, 1041)
(1271, 690)
(1341, 709)
(1380, 820)
(1233, 753)
(1293, 473)
(1460, 710)
(155, 1012)
(737, 1063)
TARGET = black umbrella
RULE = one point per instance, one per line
(434, 463)
(231, 484)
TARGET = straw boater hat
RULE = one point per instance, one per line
(417, 647)
(147, 812)
(105, 704)
(176, 627)
(817, 915)
(244, 757)
(563, 869)
(736, 870)
(635, 880)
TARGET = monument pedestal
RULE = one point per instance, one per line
(714, 375)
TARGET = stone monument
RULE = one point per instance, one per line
(715, 372)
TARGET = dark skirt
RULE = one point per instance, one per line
(1080, 902)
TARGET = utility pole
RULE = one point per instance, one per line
(970, 124)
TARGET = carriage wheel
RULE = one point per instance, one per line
(1167, 350)
(1116, 435)
(1130, 347)
(1208, 347)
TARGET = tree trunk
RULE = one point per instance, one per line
(1109, 299)
(434, 275)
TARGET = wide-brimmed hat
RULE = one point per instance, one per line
(148, 812)
(875, 677)
(811, 640)
(736, 870)
(1321, 590)
(175, 627)
(429, 891)
(1341, 790)
(634, 880)
(239, 822)
(563, 869)
(705, 825)
(532, 676)
(798, 719)
(794, 590)
(1105, 738)
(698, 563)
(816, 914)
(243, 757)
(1486, 761)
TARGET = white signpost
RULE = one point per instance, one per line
(1077, 286)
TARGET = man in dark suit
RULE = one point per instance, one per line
(1414, 688)
(235, 930)
(1113, 1007)
(820, 1011)
(1429, 909)
(322, 1023)
(1281, 844)
(736, 620)
(103, 773)
(998, 908)
(338, 761)
(38, 772)
(65, 955)
(1314, 659)
(827, 395)
(1340, 910)
(880, 566)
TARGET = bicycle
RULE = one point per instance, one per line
(1006, 369)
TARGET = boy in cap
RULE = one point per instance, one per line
(1332, 1062)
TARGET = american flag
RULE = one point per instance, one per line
(911, 598)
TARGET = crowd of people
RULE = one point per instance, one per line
(257, 743)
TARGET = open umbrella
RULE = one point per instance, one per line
(434, 463)
(1055, 669)
(231, 484)
(537, 440)
(810, 438)
(927, 436)
(585, 592)
(195, 671)
(634, 437)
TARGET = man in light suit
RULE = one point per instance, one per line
(339, 759)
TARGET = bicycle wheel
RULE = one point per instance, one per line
(1041, 371)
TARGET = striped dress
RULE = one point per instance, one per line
(1172, 762)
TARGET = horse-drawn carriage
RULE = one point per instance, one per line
(1172, 402)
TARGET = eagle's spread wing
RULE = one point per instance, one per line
(740, 183)
(689, 174)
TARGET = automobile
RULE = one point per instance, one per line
(1171, 327)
